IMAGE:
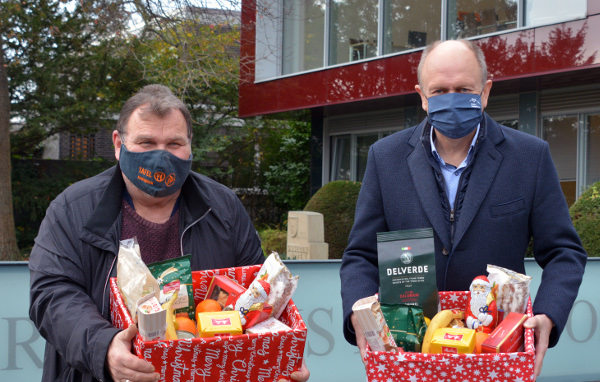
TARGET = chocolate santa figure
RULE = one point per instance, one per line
(481, 309)
(256, 294)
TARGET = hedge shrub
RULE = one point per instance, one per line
(273, 240)
(585, 213)
(337, 202)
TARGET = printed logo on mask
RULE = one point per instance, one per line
(158, 177)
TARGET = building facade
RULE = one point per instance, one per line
(353, 64)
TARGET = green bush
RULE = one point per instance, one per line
(585, 213)
(35, 183)
(337, 202)
(273, 240)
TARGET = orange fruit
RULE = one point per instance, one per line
(208, 305)
(479, 338)
(185, 323)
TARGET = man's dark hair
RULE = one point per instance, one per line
(156, 100)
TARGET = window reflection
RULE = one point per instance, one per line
(593, 149)
(363, 143)
(411, 24)
(353, 30)
(561, 134)
(468, 18)
(340, 164)
(303, 35)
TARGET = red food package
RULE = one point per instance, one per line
(224, 290)
(508, 335)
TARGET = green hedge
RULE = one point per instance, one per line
(337, 202)
(585, 213)
(35, 183)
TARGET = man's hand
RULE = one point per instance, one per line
(361, 340)
(542, 326)
(301, 375)
(123, 365)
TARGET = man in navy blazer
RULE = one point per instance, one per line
(485, 189)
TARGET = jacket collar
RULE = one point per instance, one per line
(485, 166)
(103, 228)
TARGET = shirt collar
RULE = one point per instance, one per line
(439, 158)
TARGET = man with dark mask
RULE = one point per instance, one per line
(485, 189)
(150, 194)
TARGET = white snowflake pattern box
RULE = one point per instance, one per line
(418, 367)
(245, 357)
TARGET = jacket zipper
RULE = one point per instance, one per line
(106, 283)
(188, 227)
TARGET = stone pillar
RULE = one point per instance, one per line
(306, 236)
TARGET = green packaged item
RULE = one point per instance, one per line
(175, 274)
(407, 275)
(407, 325)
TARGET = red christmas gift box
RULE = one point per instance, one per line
(412, 367)
(262, 357)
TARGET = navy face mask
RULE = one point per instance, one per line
(157, 172)
(455, 115)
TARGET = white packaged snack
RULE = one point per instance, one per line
(371, 321)
(513, 289)
(269, 326)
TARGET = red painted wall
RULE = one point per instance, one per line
(528, 52)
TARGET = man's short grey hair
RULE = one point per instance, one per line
(157, 100)
(469, 44)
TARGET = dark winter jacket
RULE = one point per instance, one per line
(75, 254)
(509, 193)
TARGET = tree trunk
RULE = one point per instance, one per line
(8, 239)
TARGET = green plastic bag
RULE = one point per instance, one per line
(407, 325)
(175, 274)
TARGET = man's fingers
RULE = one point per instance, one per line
(542, 326)
(361, 340)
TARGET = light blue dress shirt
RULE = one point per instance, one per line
(452, 173)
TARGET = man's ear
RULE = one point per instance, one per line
(424, 103)
(485, 93)
(116, 138)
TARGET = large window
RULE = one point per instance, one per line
(350, 153)
(410, 24)
(467, 18)
(313, 34)
(353, 30)
(303, 35)
(574, 142)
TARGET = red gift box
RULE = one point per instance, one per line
(412, 367)
(248, 357)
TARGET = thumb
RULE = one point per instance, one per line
(530, 323)
(129, 333)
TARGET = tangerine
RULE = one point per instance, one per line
(479, 338)
(185, 323)
(208, 305)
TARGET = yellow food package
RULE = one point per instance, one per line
(453, 341)
(212, 324)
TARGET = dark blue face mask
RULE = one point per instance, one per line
(157, 172)
(455, 115)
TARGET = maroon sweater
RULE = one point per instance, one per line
(157, 242)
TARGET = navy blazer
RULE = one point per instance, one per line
(513, 194)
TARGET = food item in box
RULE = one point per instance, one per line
(513, 289)
(185, 324)
(170, 319)
(208, 305)
(133, 276)
(224, 290)
(175, 275)
(407, 325)
(453, 341)
(406, 262)
(269, 326)
(481, 308)
(273, 287)
(370, 318)
(508, 336)
(152, 319)
(212, 324)
(442, 319)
